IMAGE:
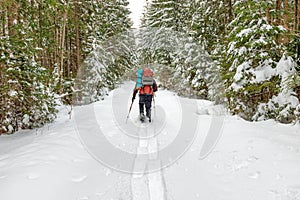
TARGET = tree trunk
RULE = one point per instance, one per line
(269, 19)
(77, 38)
(230, 13)
(57, 43)
(3, 23)
(277, 19)
(63, 35)
(278, 13)
(68, 52)
(42, 53)
(12, 11)
(297, 28)
(285, 39)
(298, 15)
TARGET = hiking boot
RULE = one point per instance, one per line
(149, 117)
(142, 117)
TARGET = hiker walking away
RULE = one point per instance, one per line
(146, 86)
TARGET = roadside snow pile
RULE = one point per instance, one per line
(209, 108)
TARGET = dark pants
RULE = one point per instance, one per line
(145, 101)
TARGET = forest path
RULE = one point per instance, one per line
(96, 155)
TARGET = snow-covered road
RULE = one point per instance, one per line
(72, 159)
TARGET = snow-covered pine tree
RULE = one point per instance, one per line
(163, 13)
(285, 106)
(173, 37)
(251, 58)
(111, 45)
(207, 22)
(41, 38)
(121, 43)
(160, 23)
(27, 99)
(204, 28)
(158, 38)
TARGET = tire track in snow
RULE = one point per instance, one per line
(156, 185)
(147, 185)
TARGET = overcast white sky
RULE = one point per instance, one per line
(136, 7)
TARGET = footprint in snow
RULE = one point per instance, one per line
(250, 148)
(252, 158)
(79, 179)
(279, 177)
(33, 176)
(107, 171)
(254, 175)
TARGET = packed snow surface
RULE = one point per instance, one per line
(258, 161)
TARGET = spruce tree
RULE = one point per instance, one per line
(251, 57)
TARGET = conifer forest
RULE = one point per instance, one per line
(244, 54)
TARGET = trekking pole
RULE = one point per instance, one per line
(129, 111)
(154, 105)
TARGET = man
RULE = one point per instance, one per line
(146, 92)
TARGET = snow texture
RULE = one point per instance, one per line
(251, 160)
